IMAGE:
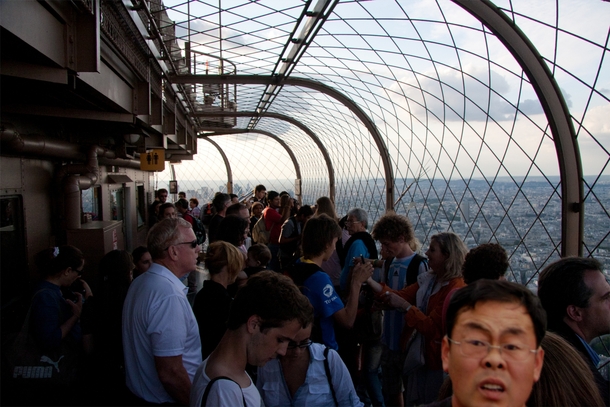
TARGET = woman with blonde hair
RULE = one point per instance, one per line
(422, 304)
(326, 206)
(332, 266)
(224, 262)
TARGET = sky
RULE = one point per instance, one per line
(424, 83)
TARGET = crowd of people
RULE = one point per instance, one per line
(313, 314)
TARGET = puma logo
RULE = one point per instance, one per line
(48, 360)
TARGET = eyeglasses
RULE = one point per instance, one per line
(301, 345)
(193, 244)
(349, 222)
(476, 349)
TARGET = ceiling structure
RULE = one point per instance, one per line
(488, 119)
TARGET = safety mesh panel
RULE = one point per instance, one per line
(254, 159)
(574, 42)
(469, 146)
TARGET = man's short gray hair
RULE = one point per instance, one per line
(164, 234)
(360, 215)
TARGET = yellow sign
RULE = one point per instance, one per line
(153, 160)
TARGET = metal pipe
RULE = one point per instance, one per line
(71, 178)
(73, 184)
(34, 144)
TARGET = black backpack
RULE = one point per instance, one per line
(199, 230)
(412, 269)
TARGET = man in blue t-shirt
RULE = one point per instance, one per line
(318, 243)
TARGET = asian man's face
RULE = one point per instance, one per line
(494, 376)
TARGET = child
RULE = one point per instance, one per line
(259, 256)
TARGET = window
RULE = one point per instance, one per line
(116, 204)
(141, 205)
(91, 202)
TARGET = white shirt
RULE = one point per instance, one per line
(315, 391)
(157, 321)
(225, 393)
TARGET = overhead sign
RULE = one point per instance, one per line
(153, 160)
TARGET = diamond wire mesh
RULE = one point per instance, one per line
(470, 146)
(449, 122)
(254, 159)
(579, 57)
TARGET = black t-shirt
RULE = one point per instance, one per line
(213, 227)
(211, 308)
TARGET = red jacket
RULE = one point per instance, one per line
(429, 325)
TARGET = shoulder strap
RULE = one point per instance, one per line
(25, 328)
(413, 269)
(204, 399)
(387, 263)
(367, 240)
(300, 272)
(329, 376)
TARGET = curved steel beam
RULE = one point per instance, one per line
(227, 165)
(556, 111)
(305, 129)
(297, 167)
(311, 84)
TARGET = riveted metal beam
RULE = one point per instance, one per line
(310, 84)
(227, 164)
(305, 129)
(556, 111)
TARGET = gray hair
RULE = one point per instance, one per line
(164, 234)
(360, 214)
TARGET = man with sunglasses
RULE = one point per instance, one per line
(160, 334)
(492, 348)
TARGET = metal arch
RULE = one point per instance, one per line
(556, 111)
(307, 130)
(227, 164)
(297, 167)
(311, 84)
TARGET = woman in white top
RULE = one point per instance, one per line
(308, 375)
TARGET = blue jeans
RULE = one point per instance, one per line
(372, 363)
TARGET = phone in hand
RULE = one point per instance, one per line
(362, 260)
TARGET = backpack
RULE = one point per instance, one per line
(199, 230)
(412, 269)
(207, 211)
(260, 234)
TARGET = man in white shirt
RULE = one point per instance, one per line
(266, 314)
(160, 333)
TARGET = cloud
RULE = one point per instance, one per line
(531, 107)
(596, 121)
(455, 96)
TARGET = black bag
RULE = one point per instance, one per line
(207, 211)
(199, 230)
(369, 322)
(28, 361)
